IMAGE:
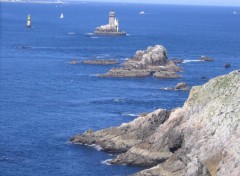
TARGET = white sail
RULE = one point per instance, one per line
(29, 21)
(61, 16)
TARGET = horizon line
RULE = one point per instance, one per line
(81, 2)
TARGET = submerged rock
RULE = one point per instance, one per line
(151, 62)
(205, 58)
(100, 62)
(74, 62)
(201, 138)
(227, 65)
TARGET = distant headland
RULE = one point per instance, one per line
(37, 1)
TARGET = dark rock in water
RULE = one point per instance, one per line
(205, 58)
(100, 62)
(204, 77)
(199, 139)
(74, 62)
(227, 65)
(181, 86)
(151, 62)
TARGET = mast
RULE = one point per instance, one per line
(29, 21)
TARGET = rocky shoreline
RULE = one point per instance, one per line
(201, 138)
(151, 62)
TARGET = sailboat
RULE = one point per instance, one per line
(29, 21)
(61, 16)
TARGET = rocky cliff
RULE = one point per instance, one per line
(151, 62)
(201, 138)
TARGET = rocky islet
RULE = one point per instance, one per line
(151, 62)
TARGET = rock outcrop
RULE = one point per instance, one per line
(100, 62)
(151, 62)
(202, 138)
(205, 58)
(74, 62)
(181, 86)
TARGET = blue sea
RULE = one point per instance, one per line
(44, 100)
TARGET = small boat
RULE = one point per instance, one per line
(29, 21)
(61, 16)
(141, 13)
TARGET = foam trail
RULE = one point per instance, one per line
(129, 114)
(187, 61)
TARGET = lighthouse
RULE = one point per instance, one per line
(112, 28)
(112, 19)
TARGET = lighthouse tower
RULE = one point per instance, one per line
(112, 19)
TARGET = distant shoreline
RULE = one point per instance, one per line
(35, 2)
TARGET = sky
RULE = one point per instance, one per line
(188, 2)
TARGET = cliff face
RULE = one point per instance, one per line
(201, 138)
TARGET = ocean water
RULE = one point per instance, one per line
(44, 100)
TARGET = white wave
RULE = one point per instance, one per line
(81, 74)
(71, 33)
(123, 124)
(97, 147)
(129, 114)
(89, 34)
(125, 59)
(94, 37)
(128, 34)
(106, 162)
(187, 61)
(102, 56)
(93, 75)
(118, 100)
(166, 88)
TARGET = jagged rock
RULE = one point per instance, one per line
(151, 62)
(181, 86)
(205, 58)
(122, 138)
(202, 138)
(100, 62)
